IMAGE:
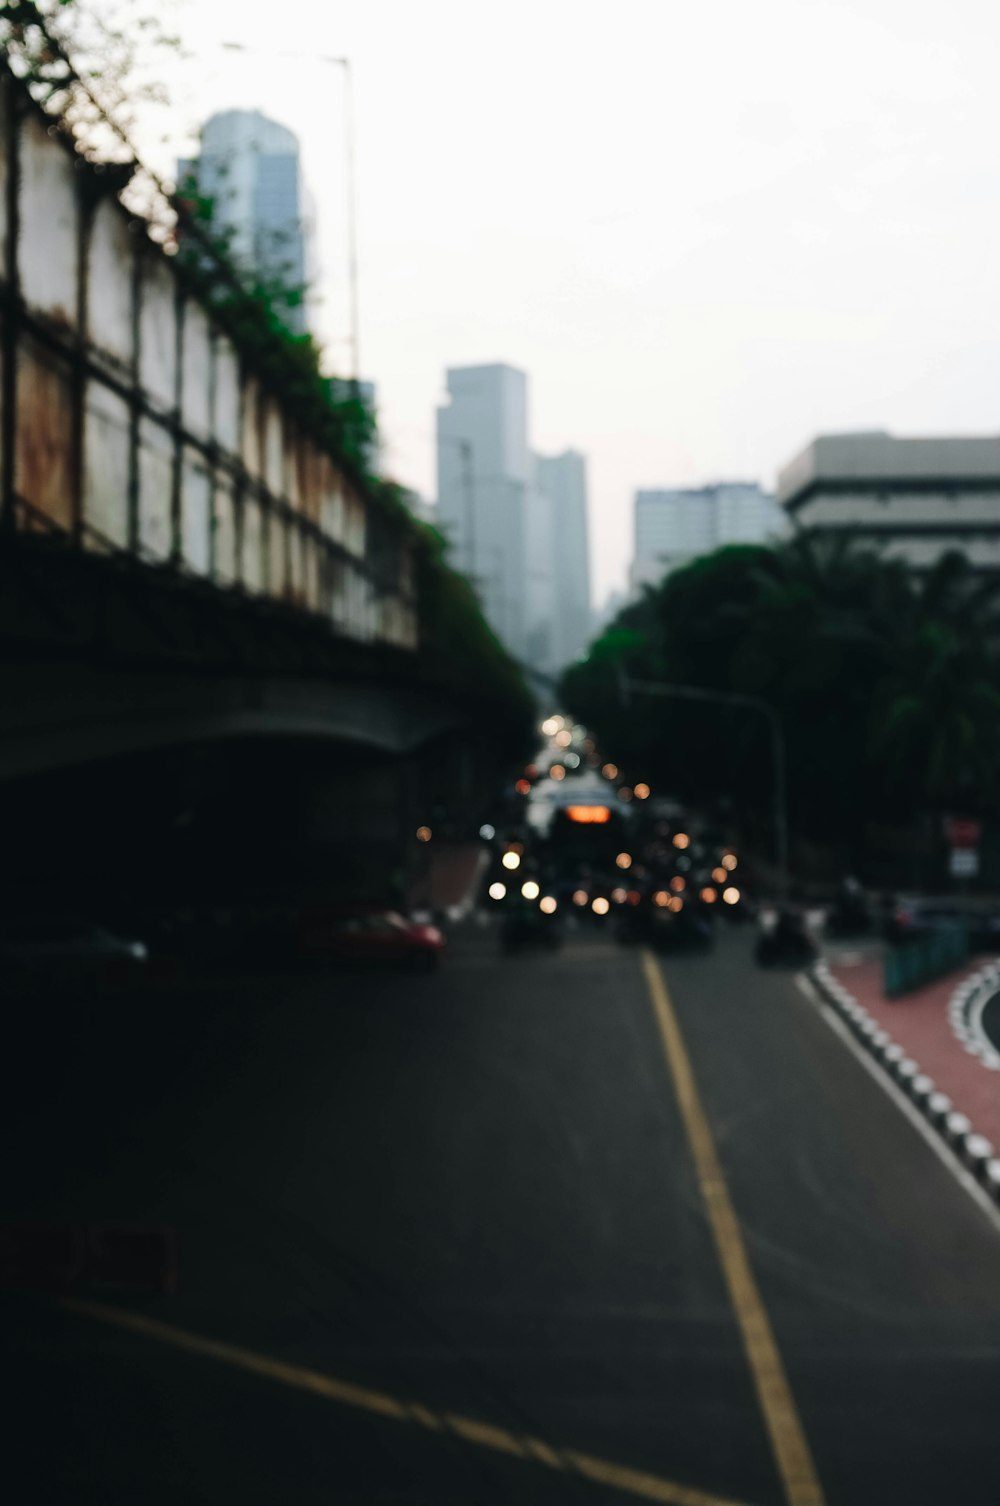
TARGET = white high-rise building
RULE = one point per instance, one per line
(484, 479)
(249, 169)
(673, 527)
(561, 480)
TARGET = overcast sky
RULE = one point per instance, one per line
(707, 232)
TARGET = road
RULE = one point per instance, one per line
(454, 1239)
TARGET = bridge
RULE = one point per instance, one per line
(226, 648)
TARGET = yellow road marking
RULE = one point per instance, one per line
(471, 1430)
(788, 1439)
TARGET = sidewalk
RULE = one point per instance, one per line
(921, 1024)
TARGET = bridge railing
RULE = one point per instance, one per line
(130, 420)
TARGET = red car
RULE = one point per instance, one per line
(370, 936)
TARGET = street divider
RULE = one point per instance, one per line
(974, 1151)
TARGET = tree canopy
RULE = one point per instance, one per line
(886, 683)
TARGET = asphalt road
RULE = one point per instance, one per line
(446, 1240)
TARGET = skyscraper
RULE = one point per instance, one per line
(562, 481)
(484, 479)
(249, 169)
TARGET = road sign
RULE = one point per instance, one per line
(961, 833)
(964, 862)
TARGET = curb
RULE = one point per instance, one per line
(973, 1151)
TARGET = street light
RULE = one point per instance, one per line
(352, 217)
(753, 703)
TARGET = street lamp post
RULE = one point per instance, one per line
(352, 208)
(753, 703)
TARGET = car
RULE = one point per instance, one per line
(785, 939)
(66, 951)
(910, 918)
(369, 935)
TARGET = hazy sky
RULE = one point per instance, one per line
(707, 231)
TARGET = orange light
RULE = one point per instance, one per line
(564, 738)
(729, 861)
(678, 884)
(610, 771)
(549, 905)
(624, 860)
(532, 771)
(523, 787)
(676, 904)
(579, 896)
(589, 815)
(642, 792)
(661, 898)
(423, 833)
(720, 875)
(682, 840)
(708, 895)
(619, 896)
(557, 771)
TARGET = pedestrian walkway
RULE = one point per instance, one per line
(919, 1022)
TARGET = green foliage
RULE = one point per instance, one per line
(887, 683)
(459, 644)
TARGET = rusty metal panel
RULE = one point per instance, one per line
(156, 475)
(225, 565)
(158, 330)
(226, 417)
(109, 284)
(296, 591)
(354, 523)
(50, 217)
(196, 372)
(43, 465)
(196, 513)
(105, 467)
(311, 572)
(290, 465)
(252, 551)
(332, 511)
(251, 448)
(273, 446)
(5, 156)
(277, 554)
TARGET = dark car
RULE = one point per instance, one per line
(785, 940)
(369, 936)
(67, 951)
(910, 918)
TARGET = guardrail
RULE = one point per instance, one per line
(914, 963)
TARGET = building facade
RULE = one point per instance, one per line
(484, 489)
(249, 169)
(675, 526)
(917, 498)
(561, 485)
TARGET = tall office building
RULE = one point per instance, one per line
(673, 527)
(249, 169)
(561, 480)
(484, 480)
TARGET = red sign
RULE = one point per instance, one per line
(963, 834)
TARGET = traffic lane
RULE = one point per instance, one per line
(471, 1189)
(878, 1270)
(97, 1416)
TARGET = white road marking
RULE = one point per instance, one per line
(943, 1152)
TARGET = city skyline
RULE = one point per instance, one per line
(815, 257)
